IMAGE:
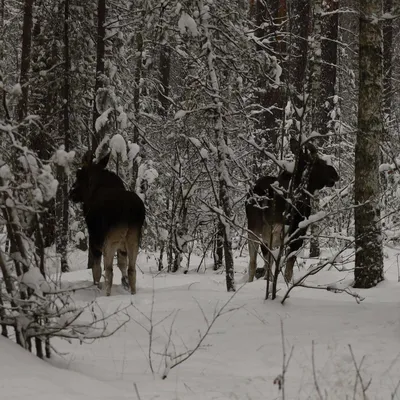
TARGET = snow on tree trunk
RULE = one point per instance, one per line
(369, 258)
(223, 174)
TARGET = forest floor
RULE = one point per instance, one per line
(241, 356)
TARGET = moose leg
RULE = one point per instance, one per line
(267, 271)
(90, 257)
(253, 242)
(95, 262)
(294, 246)
(289, 268)
(132, 248)
(268, 244)
(109, 251)
(122, 265)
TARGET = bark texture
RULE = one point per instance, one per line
(369, 258)
(22, 109)
(100, 54)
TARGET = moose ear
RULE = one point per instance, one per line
(312, 149)
(87, 159)
(294, 146)
(102, 163)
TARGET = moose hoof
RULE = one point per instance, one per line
(288, 279)
(260, 272)
(125, 283)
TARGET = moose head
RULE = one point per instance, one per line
(91, 176)
(321, 173)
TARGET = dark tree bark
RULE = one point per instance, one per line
(22, 108)
(165, 68)
(3, 108)
(317, 107)
(219, 247)
(100, 54)
(369, 257)
(324, 80)
(387, 61)
(136, 102)
(63, 204)
(299, 19)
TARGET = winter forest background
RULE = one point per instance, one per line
(195, 99)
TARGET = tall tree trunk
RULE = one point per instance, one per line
(269, 15)
(62, 193)
(369, 258)
(323, 83)
(223, 174)
(299, 18)
(22, 108)
(317, 111)
(387, 62)
(219, 246)
(136, 102)
(100, 54)
(165, 69)
(330, 28)
(3, 106)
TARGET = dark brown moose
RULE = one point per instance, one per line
(269, 208)
(114, 218)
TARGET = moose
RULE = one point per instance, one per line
(114, 217)
(269, 210)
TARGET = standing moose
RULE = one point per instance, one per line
(268, 208)
(114, 218)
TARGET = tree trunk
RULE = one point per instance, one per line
(330, 27)
(136, 102)
(368, 240)
(387, 62)
(63, 203)
(100, 54)
(317, 110)
(269, 15)
(219, 247)
(165, 68)
(299, 13)
(22, 109)
(223, 174)
(3, 106)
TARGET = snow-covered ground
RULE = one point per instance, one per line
(241, 356)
